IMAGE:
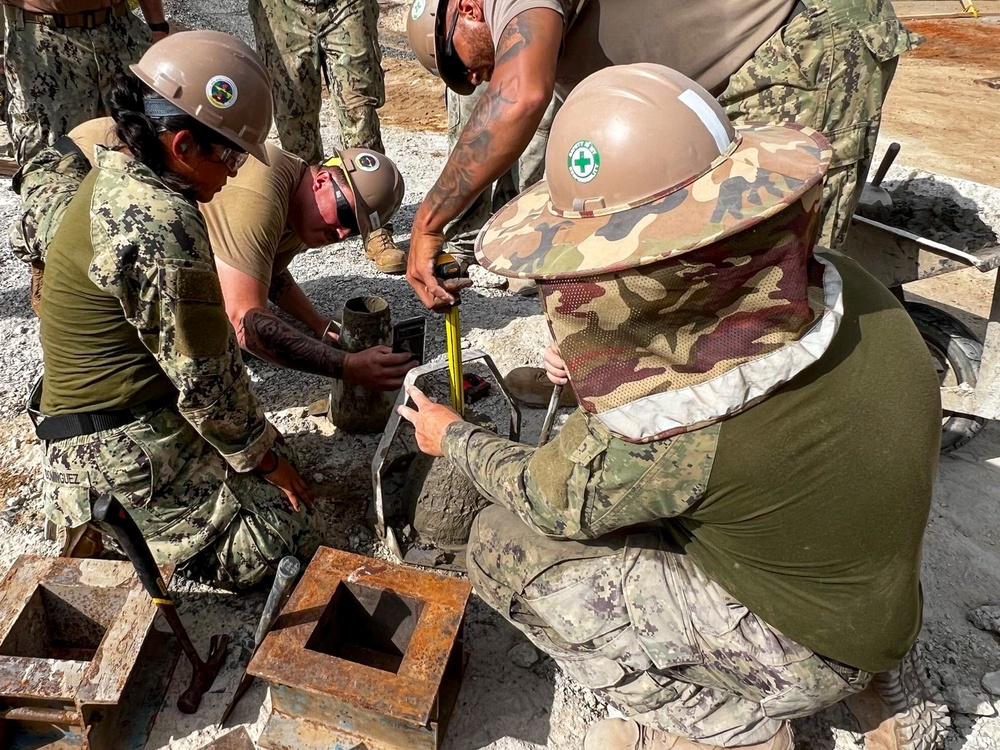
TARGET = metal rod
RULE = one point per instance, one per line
(42, 715)
(550, 415)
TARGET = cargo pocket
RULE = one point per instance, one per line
(725, 624)
(582, 486)
(192, 300)
(66, 505)
(888, 39)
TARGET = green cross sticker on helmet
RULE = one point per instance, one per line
(418, 8)
(583, 161)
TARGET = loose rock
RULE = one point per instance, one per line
(991, 683)
(965, 700)
(523, 655)
(986, 618)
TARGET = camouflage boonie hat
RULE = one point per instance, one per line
(642, 164)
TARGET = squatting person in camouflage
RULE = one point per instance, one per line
(61, 56)
(145, 395)
(726, 534)
(303, 42)
(825, 64)
(263, 217)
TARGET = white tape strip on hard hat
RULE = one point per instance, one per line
(708, 118)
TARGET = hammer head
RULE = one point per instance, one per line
(204, 674)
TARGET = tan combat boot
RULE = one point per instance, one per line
(899, 711)
(532, 387)
(382, 249)
(626, 734)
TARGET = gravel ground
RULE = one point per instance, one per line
(511, 698)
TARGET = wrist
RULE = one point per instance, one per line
(159, 26)
(269, 463)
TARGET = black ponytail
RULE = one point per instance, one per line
(140, 133)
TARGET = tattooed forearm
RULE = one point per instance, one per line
(263, 334)
(471, 166)
(279, 285)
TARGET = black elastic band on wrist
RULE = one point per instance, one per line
(163, 26)
(265, 472)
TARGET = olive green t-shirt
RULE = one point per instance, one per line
(707, 40)
(248, 220)
(94, 359)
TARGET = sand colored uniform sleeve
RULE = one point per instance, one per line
(151, 251)
(248, 220)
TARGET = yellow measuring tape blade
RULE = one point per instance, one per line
(453, 341)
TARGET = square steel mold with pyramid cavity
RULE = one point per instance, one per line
(366, 654)
(80, 664)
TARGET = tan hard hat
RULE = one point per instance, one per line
(425, 28)
(377, 185)
(641, 165)
(218, 80)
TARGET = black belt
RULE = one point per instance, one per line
(851, 675)
(65, 426)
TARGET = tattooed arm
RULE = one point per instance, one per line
(262, 333)
(286, 294)
(498, 130)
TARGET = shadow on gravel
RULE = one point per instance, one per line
(936, 211)
(14, 301)
(498, 698)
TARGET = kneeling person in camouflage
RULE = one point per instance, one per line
(145, 395)
(726, 534)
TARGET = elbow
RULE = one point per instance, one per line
(533, 103)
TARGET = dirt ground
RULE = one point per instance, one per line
(509, 702)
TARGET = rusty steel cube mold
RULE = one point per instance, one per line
(366, 654)
(72, 633)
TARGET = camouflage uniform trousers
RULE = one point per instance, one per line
(640, 623)
(300, 41)
(219, 526)
(829, 68)
(58, 78)
(529, 169)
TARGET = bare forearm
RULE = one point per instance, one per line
(500, 127)
(152, 11)
(264, 335)
(288, 295)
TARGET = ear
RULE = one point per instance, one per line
(182, 146)
(471, 10)
(321, 180)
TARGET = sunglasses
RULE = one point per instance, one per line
(456, 67)
(345, 215)
(231, 157)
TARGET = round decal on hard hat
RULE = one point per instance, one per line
(583, 161)
(367, 162)
(418, 9)
(221, 91)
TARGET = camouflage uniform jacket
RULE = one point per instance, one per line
(586, 482)
(151, 251)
